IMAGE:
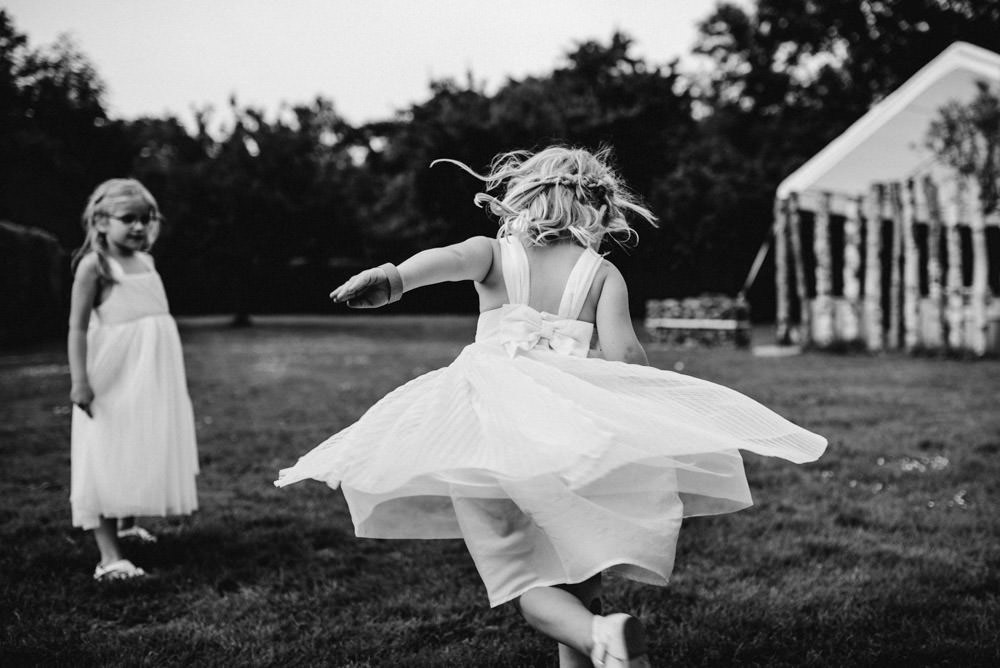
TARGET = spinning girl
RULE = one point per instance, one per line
(554, 465)
(133, 438)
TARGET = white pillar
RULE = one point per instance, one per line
(782, 327)
(805, 306)
(874, 334)
(954, 310)
(849, 328)
(935, 284)
(823, 327)
(911, 270)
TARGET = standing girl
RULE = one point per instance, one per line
(133, 437)
(552, 465)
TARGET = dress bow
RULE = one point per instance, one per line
(523, 328)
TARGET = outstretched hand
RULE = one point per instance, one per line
(369, 289)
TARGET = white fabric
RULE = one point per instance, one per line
(137, 456)
(550, 465)
(578, 284)
(514, 266)
(519, 327)
(522, 328)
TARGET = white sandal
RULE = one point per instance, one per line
(122, 569)
(137, 532)
(619, 642)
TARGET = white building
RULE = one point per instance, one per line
(936, 256)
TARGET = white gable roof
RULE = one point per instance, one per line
(887, 143)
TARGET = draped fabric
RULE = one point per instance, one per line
(552, 466)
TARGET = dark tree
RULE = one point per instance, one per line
(56, 142)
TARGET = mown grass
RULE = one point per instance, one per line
(885, 552)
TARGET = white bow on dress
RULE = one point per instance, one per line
(523, 328)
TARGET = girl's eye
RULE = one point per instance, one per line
(130, 218)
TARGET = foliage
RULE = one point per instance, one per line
(835, 57)
(33, 270)
(966, 137)
(271, 192)
(599, 96)
(884, 552)
(55, 137)
(266, 211)
(780, 82)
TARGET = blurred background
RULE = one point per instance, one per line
(270, 200)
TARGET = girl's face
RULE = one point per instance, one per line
(126, 224)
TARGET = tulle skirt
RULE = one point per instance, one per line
(137, 455)
(552, 468)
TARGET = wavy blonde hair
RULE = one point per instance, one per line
(559, 193)
(97, 209)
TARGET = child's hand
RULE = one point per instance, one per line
(81, 395)
(369, 289)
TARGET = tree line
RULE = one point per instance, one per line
(267, 210)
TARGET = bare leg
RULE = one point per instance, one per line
(562, 614)
(570, 658)
(106, 535)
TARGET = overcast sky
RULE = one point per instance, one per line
(371, 57)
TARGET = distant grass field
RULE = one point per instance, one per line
(886, 552)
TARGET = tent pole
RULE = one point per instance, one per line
(953, 277)
(824, 325)
(911, 271)
(782, 333)
(979, 291)
(935, 290)
(805, 307)
(895, 276)
(850, 330)
(873, 268)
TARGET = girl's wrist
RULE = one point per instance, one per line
(395, 281)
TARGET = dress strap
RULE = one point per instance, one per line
(578, 284)
(514, 263)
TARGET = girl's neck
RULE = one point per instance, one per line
(127, 259)
(119, 253)
(559, 246)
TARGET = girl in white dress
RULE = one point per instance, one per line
(552, 464)
(133, 436)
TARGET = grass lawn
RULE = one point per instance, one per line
(885, 552)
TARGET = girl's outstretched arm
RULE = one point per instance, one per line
(469, 260)
(614, 324)
(85, 286)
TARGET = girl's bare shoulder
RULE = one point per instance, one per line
(491, 250)
(87, 267)
(608, 274)
(484, 243)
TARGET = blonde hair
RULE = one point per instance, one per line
(97, 209)
(559, 193)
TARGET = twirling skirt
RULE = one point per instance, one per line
(551, 468)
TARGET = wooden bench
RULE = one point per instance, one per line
(707, 320)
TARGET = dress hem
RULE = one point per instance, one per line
(606, 566)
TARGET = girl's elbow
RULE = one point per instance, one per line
(636, 355)
(631, 354)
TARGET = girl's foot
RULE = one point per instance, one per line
(137, 532)
(120, 569)
(619, 642)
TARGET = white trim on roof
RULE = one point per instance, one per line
(972, 60)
